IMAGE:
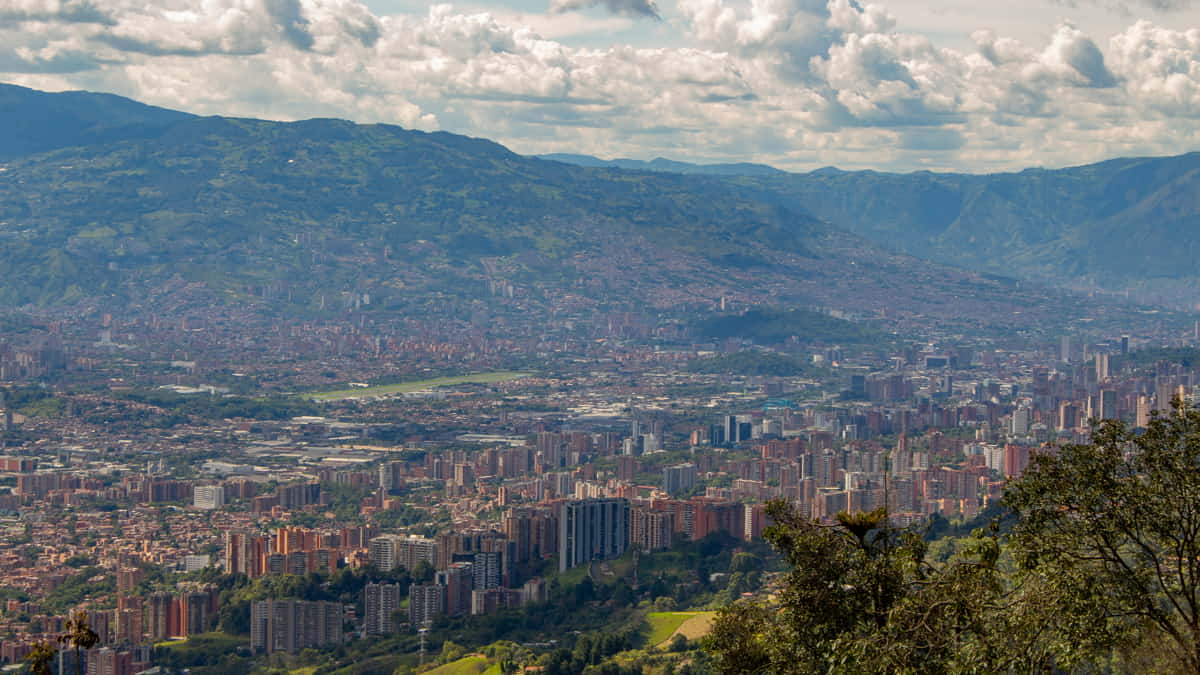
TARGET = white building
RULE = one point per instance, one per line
(208, 497)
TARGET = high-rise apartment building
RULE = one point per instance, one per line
(298, 494)
(108, 661)
(425, 602)
(158, 616)
(1021, 419)
(487, 569)
(458, 580)
(380, 604)
(292, 625)
(208, 497)
(650, 530)
(679, 478)
(389, 551)
(1142, 414)
(592, 529)
(1108, 404)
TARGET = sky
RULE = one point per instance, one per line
(903, 85)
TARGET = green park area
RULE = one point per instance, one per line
(474, 664)
(418, 385)
(664, 625)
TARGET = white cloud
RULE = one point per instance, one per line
(799, 83)
(66, 11)
(1072, 56)
(645, 8)
(1162, 68)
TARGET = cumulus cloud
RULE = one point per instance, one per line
(66, 11)
(60, 58)
(646, 8)
(290, 19)
(1128, 7)
(784, 35)
(888, 80)
(848, 17)
(1161, 67)
(999, 50)
(799, 83)
(1072, 55)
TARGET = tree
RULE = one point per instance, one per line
(423, 572)
(41, 658)
(1117, 523)
(79, 635)
(451, 652)
(745, 562)
(679, 643)
(862, 596)
(844, 580)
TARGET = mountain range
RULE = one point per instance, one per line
(1129, 224)
(107, 202)
(666, 165)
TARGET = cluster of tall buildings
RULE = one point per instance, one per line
(291, 625)
(453, 592)
(169, 615)
(472, 570)
(292, 550)
(389, 551)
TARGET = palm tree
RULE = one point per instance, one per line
(40, 658)
(80, 636)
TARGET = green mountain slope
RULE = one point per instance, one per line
(253, 201)
(1124, 224)
(35, 121)
(666, 166)
(1108, 223)
(326, 215)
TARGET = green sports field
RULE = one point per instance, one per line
(404, 387)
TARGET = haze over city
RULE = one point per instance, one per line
(599, 337)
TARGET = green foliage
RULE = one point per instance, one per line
(591, 650)
(1143, 360)
(391, 388)
(89, 582)
(205, 649)
(1096, 571)
(459, 665)
(41, 658)
(242, 204)
(1115, 523)
(397, 518)
(34, 401)
(744, 562)
(79, 636)
(345, 500)
(451, 652)
(861, 596)
(663, 624)
(423, 573)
